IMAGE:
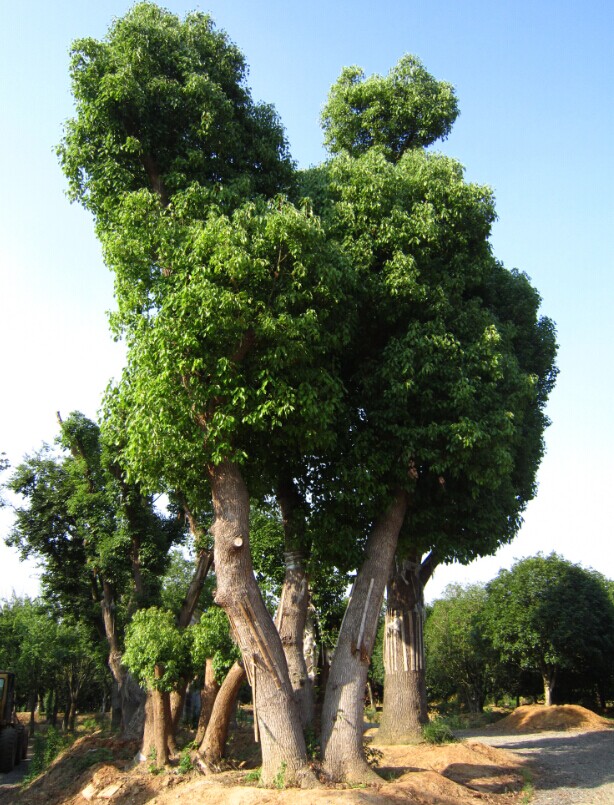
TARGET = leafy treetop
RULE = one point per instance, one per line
(406, 109)
(162, 103)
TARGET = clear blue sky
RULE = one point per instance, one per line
(535, 85)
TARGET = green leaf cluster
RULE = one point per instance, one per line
(154, 643)
(211, 639)
(164, 101)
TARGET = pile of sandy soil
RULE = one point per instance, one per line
(454, 774)
(538, 718)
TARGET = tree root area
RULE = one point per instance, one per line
(454, 774)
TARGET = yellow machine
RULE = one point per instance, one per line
(13, 736)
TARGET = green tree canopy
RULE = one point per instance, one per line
(154, 640)
(344, 337)
(406, 109)
(211, 639)
(86, 525)
(547, 614)
(163, 103)
(460, 659)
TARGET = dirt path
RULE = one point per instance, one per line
(569, 768)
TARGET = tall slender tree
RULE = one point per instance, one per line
(102, 544)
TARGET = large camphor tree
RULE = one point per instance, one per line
(471, 414)
(223, 295)
(326, 338)
(446, 378)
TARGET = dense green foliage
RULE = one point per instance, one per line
(344, 332)
(460, 660)
(51, 654)
(547, 614)
(211, 639)
(406, 109)
(545, 622)
(89, 527)
(164, 103)
(157, 652)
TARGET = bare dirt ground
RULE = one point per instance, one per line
(569, 750)
(491, 768)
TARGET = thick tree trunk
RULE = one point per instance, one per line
(168, 724)
(549, 678)
(294, 602)
(160, 715)
(207, 699)
(133, 708)
(148, 746)
(281, 736)
(177, 702)
(310, 646)
(212, 748)
(116, 707)
(291, 619)
(131, 696)
(159, 729)
(405, 705)
(343, 711)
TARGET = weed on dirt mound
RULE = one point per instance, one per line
(71, 770)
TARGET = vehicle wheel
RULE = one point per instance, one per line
(18, 745)
(8, 740)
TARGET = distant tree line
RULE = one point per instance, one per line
(544, 628)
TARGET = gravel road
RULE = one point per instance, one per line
(569, 768)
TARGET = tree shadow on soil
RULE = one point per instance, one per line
(574, 760)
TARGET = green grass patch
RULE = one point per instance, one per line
(527, 789)
(438, 732)
(45, 748)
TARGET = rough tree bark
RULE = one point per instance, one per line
(310, 646)
(148, 746)
(405, 705)
(207, 699)
(342, 713)
(549, 679)
(212, 748)
(294, 601)
(276, 714)
(160, 722)
(204, 562)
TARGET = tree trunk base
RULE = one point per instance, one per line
(400, 738)
(354, 772)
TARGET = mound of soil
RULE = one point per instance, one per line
(472, 765)
(538, 718)
(100, 770)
